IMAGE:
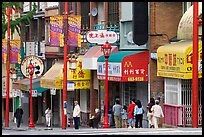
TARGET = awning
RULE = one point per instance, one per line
(24, 84)
(53, 78)
(40, 89)
(89, 60)
(175, 60)
(125, 66)
(185, 27)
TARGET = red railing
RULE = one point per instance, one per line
(174, 115)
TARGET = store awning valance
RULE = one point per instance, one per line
(89, 60)
(51, 79)
(175, 60)
(24, 84)
(40, 89)
(125, 66)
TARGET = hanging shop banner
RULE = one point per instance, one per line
(57, 34)
(56, 31)
(175, 60)
(36, 62)
(74, 30)
(14, 52)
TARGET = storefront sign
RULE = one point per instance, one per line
(85, 84)
(79, 73)
(36, 62)
(176, 60)
(101, 36)
(133, 68)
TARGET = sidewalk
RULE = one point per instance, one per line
(24, 127)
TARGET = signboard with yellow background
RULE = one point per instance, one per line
(175, 60)
(80, 77)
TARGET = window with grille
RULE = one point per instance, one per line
(113, 13)
(172, 91)
(85, 10)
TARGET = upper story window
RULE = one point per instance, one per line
(41, 6)
(26, 6)
(52, 4)
(85, 18)
(36, 3)
(186, 5)
(113, 13)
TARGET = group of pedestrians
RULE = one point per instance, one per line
(131, 116)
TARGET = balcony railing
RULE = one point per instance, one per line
(174, 115)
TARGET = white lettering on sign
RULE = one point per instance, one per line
(134, 71)
(101, 36)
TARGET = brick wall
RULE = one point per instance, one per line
(164, 19)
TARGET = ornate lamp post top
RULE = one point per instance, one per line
(31, 69)
(106, 49)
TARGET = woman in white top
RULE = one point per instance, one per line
(76, 115)
(157, 113)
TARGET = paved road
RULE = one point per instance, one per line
(101, 131)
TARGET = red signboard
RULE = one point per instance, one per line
(135, 67)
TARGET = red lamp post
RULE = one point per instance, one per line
(9, 10)
(31, 71)
(106, 51)
(64, 96)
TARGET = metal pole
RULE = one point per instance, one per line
(195, 67)
(8, 69)
(31, 124)
(51, 112)
(64, 119)
(106, 122)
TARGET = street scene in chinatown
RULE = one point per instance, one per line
(101, 68)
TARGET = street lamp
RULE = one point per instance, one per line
(106, 52)
(9, 12)
(31, 71)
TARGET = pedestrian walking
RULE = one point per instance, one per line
(117, 109)
(18, 115)
(130, 111)
(48, 114)
(138, 113)
(157, 113)
(124, 116)
(95, 119)
(150, 113)
(76, 115)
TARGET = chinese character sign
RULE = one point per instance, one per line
(101, 36)
(79, 73)
(14, 51)
(56, 31)
(74, 30)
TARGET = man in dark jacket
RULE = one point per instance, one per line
(18, 114)
(94, 121)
